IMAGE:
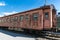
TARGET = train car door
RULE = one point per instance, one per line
(46, 20)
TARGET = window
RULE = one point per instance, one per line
(27, 17)
(15, 18)
(8, 20)
(21, 18)
(0, 21)
(35, 17)
(5, 20)
(46, 15)
(11, 19)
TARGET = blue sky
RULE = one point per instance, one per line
(8, 7)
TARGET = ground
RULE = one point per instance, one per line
(8, 35)
(14, 35)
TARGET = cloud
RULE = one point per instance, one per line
(8, 13)
(2, 4)
(1, 15)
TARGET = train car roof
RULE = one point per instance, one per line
(42, 7)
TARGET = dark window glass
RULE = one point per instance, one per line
(46, 15)
(35, 17)
(21, 18)
(27, 17)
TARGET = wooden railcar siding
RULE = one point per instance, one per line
(40, 24)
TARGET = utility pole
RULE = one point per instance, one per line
(45, 2)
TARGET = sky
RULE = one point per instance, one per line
(8, 7)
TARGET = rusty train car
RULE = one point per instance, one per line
(43, 18)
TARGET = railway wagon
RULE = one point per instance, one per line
(42, 18)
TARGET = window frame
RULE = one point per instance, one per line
(46, 15)
(15, 18)
(27, 17)
(35, 16)
(11, 19)
(8, 19)
(21, 19)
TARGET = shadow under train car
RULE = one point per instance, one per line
(15, 34)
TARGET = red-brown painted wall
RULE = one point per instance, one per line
(30, 24)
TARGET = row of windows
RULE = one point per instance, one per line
(27, 17)
(35, 17)
(21, 18)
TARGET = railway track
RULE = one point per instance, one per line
(47, 36)
(50, 36)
